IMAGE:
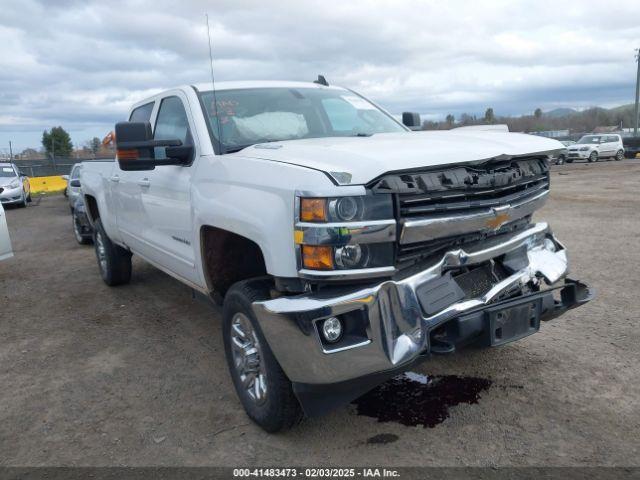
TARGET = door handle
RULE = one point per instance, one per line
(144, 182)
(115, 178)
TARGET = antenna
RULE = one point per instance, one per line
(213, 84)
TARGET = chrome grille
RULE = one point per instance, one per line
(472, 188)
(438, 210)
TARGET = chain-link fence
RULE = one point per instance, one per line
(48, 167)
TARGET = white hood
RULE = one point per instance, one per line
(358, 160)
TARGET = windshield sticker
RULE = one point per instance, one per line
(357, 102)
(7, 169)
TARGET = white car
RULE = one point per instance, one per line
(5, 241)
(14, 186)
(344, 247)
(594, 147)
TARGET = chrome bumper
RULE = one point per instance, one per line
(398, 330)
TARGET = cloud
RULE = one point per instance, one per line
(81, 64)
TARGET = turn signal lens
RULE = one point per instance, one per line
(128, 154)
(313, 209)
(317, 257)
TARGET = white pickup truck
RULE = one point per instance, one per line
(5, 240)
(344, 247)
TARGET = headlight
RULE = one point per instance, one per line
(347, 257)
(584, 149)
(346, 209)
(15, 184)
(346, 233)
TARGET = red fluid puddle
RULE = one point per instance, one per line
(413, 399)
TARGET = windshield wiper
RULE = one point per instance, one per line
(236, 149)
(361, 134)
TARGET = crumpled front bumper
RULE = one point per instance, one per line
(398, 326)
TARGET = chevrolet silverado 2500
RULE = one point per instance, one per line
(343, 247)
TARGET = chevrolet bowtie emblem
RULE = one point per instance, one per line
(500, 219)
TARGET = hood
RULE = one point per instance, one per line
(358, 160)
(6, 181)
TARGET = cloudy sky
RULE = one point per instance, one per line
(80, 64)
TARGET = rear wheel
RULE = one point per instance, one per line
(262, 386)
(620, 155)
(81, 237)
(593, 157)
(114, 261)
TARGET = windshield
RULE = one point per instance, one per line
(591, 139)
(250, 116)
(7, 172)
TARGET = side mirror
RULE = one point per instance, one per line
(75, 183)
(411, 120)
(135, 148)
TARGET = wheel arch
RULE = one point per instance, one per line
(227, 258)
(93, 212)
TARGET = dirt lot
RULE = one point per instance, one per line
(136, 375)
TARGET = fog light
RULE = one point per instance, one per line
(549, 245)
(332, 329)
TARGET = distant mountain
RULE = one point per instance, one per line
(622, 108)
(559, 112)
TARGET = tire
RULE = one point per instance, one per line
(114, 261)
(23, 203)
(619, 155)
(593, 157)
(81, 238)
(569, 160)
(250, 360)
(560, 160)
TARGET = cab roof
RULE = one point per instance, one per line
(244, 84)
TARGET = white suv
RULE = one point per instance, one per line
(594, 147)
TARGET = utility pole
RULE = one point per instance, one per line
(10, 152)
(53, 151)
(635, 120)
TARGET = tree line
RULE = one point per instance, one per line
(57, 143)
(583, 121)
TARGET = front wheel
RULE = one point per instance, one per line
(593, 157)
(23, 202)
(114, 261)
(262, 386)
(619, 155)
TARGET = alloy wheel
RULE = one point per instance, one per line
(247, 358)
(77, 229)
(101, 251)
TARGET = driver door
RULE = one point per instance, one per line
(166, 194)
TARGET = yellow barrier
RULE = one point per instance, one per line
(47, 184)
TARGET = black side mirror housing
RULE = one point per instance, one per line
(136, 148)
(411, 120)
(74, 183)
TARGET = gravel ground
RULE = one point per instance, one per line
(136, 375)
